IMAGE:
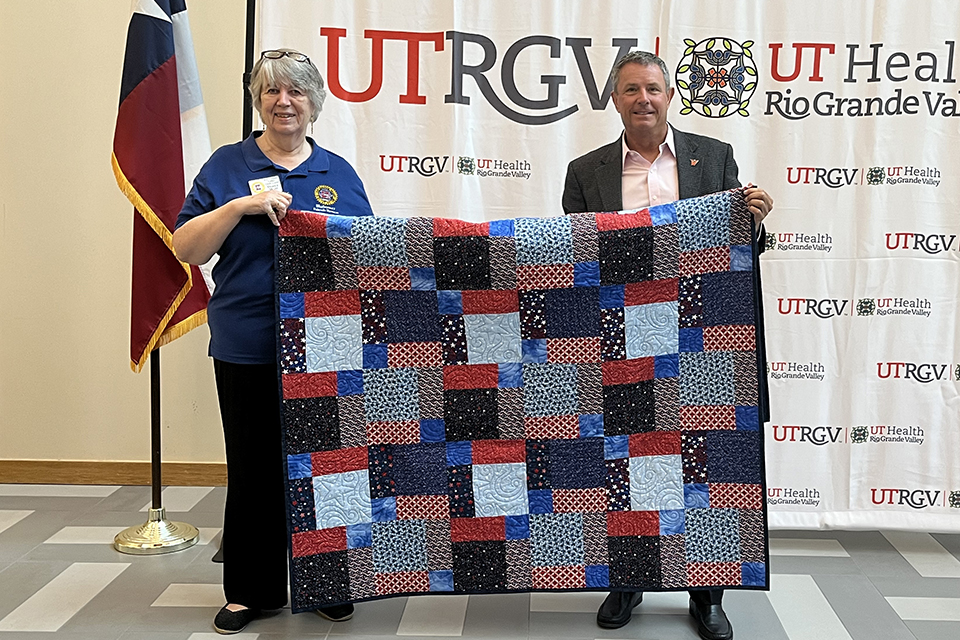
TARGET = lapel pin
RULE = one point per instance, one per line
(693, 162)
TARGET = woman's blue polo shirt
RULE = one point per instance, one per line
(241, 312)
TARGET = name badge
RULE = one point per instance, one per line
(265, 184)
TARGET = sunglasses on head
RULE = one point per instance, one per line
(274, 54)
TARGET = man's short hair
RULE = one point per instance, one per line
(644, 58)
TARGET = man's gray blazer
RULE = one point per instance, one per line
(704, 165)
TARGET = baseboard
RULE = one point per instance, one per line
(187, 474)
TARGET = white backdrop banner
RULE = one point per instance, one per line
(473, 110)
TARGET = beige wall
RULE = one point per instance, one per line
(66, 388)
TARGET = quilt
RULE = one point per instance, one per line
(560, 403)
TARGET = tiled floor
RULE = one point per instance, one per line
(61, 578)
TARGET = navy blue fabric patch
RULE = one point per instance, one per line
(412, 316)
(303, 517)
(538, 471)
(728, 298)
(577, 464)
(573, 313)
(420, 469)
(460, 491)
(734, 456)
(380, 471)
(372, 314)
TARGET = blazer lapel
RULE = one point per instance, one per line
(688, 166)
(608, 174)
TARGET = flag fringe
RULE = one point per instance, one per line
(163, 334)
(171, 333)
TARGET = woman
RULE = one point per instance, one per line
(238, 199)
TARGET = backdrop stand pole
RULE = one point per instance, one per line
(157, 535)
(247, 123)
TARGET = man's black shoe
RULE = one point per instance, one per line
(228, 622)
(712, 623)
(617, 608)
(336, 612)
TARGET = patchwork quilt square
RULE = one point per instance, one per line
(564, 403)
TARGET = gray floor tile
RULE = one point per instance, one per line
(874, 556)
(20, 539)
(807, 565)
(934, 630)
(752, 616)
(60, 635)
(497, 616)
(21, 580)
(950, 542)
(862, 609)
(212, 502)
(584, 625)
(127, 499)
(375, 618)
(916, 586)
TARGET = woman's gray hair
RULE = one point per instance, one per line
(285, 71)
(644, 58)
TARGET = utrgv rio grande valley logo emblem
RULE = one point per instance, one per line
(875, 176)
(466, 166)
(716, 77)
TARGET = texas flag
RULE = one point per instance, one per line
(160, 143)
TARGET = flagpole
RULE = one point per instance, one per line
(157, 535)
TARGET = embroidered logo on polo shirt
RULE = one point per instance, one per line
(325, 194)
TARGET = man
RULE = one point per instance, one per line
(650, 164)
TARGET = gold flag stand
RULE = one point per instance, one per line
(157, 535)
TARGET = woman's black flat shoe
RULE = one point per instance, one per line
(228, 622)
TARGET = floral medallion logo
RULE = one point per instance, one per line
(858, 435)
(866, 306)
(466, 166)
(955, 499)
(770, 241)
(716, 77)
(875, 176)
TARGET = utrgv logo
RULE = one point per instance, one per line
(826, 308)
(911, 371)
(716, 77)
(916, 499)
